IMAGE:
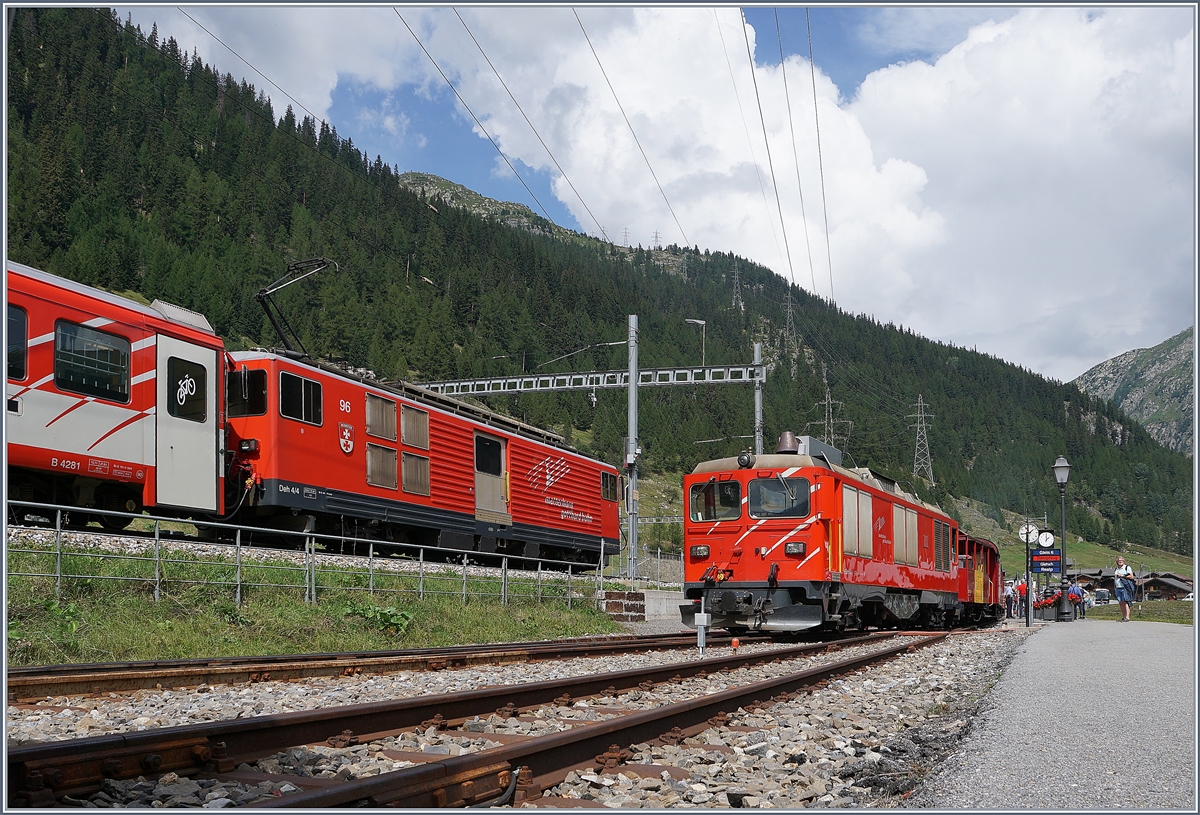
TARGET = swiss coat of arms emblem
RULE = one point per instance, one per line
(346, 437)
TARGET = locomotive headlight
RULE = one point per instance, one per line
(794, 548)
(699, 552)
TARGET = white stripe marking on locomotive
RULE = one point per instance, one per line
(789, 472)
(146, 377)
(41, 339)
(785, 536)
(97, 322)
(148, 342)
(748, 531)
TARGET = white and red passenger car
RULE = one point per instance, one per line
(114, 405)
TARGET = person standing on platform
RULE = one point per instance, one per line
(1123, 578)
(1008, 600)
(1075, 595)
(1021, 590)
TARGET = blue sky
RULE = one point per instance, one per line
(1016, 180)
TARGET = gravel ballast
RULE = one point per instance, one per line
(859, 741)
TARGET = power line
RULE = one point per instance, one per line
(473, 116)
(795, 157)
(243, 59)
(531, 127)
(820, 161)
(766, 141)
(746, 128)
(686, 242)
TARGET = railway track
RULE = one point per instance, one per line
(519, 770)
(27, 683)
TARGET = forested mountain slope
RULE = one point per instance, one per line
(1152, 385)
(135, 167)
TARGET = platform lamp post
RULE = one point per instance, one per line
(1061, 471)
(703, 330)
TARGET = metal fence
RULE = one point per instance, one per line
(310, 566)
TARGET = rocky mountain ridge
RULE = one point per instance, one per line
(1154, 386)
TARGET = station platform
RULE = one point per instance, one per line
(1089, 715)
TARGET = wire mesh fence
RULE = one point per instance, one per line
(307, 562)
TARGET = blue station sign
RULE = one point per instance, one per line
(1045, 561)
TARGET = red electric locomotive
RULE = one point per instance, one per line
(111, 404)
(401, 464)
(794, 540)
(114, 405)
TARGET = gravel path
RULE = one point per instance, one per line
(1127, 696)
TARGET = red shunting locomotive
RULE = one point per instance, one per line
(114, 405)
(793, 540)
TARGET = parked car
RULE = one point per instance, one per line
(1188, 598)
(1101, 597)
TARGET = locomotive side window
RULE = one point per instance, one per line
(487, 456)
(779, 498)
(187, 388)
(381, 466)
(415, 473)
(299, 398)
(414, 427)
(904, 531)
(18, 338)
(381, 417)
(91, 362)
(715, 502)
(856, 522)
(246, 392)
(608, 486)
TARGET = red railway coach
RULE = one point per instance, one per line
(111, 404)
(402, 464)
(794, 540)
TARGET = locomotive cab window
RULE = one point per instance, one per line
(608, 486)
(487, 456)
(91, 362)
(715, 501)
(187, 389)
(779, 498)
(299, 398)
(18, 339)
(246, 392)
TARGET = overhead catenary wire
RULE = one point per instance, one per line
(766, 141)
(463, 102)
(746, 128)
(628, 124)
(868, 388)
(350, 230)
(795, 155)
(820, 160)
(252, 67)
(531, 125)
